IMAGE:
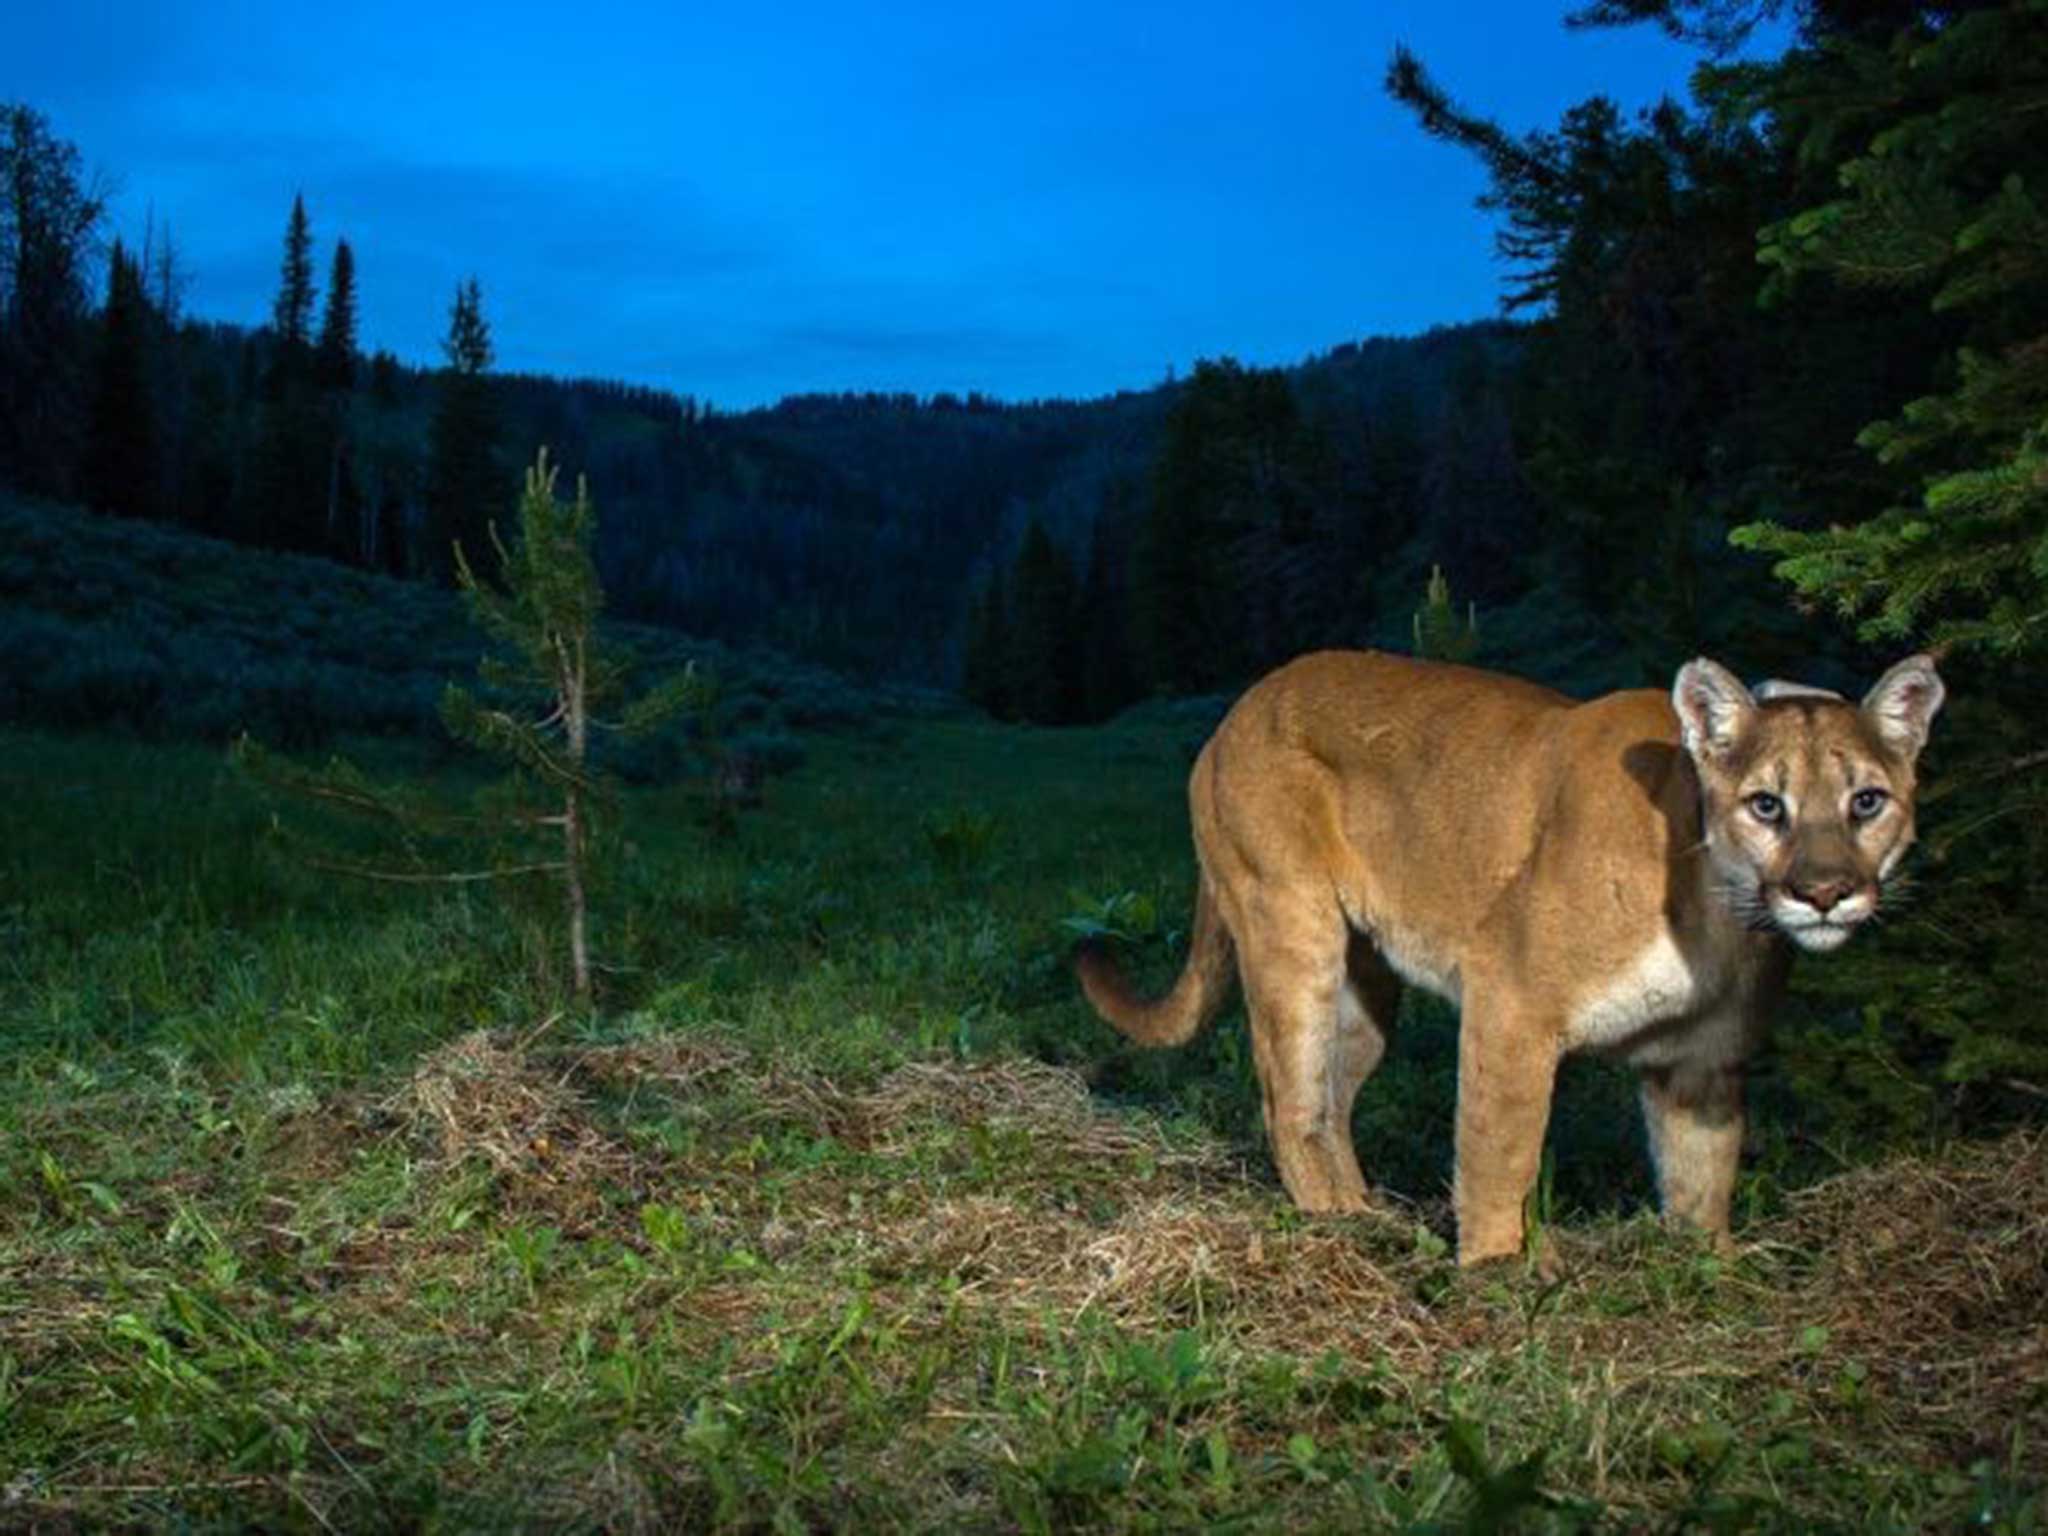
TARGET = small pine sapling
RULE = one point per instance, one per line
(543, 692)
(1440, 635)
(543, 689)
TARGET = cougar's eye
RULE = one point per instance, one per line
(1866, 803)
(1767, 807)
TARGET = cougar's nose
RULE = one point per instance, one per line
(1822, 895)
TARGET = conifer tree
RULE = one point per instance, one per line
(334, 372)
(292, 314)
(50, 218)
(1183, 590)
(463, 471)
(389, 462)
(1223, 572)
(287, 488)
(550, 681)
(121, 469)
(1912, 172)
(1044, 682)
(1441, 634)
(335, 354)
(1944, 194)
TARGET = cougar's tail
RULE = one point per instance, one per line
(1174, 1018)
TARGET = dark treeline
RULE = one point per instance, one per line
(1274, 511)
(876, 532)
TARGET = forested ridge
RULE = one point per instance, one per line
(850, 529)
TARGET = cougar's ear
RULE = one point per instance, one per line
(1901, 707)
(1714, 709)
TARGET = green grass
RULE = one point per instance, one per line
(317, 1211)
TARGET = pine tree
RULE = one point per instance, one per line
(1909, 137)
(288, 485)
(346, 534)
(468, 346)
(388, 458)
(463, 472)
(1944, 194)
(50, 219)
(1440, 633)
(292, 314)
(1044, 660)
(553, 676)
(335, 355)
(121, 468)
(1226, 579)
(1647, 373)
(1184, 590)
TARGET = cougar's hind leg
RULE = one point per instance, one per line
(1291, 956)
(1366, 1006)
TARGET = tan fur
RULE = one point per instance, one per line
(1593, 875)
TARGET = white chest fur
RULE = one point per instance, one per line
(1661, 984)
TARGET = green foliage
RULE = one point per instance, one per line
(1125, 919)
(108, 625)
(287, 503)
(1500, 1496)
(1038, 649)
(1938, 193)
(1656, 406)
(961, 841)
(546, 680)
(1441, 634)
(1044, 633)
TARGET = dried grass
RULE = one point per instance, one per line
(479, 1098)
(1052, 1104)
(1933, 1271)
(1929, 1273)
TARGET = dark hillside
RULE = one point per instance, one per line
(110, 625)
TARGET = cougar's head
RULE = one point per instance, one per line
(1807, 798)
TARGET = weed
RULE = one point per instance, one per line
(960, 841)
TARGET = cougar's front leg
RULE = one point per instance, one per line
(1694, 1114)
(1507, 1067)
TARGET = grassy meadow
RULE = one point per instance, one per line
(319, 1211)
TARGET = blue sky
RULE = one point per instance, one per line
(744, 201)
